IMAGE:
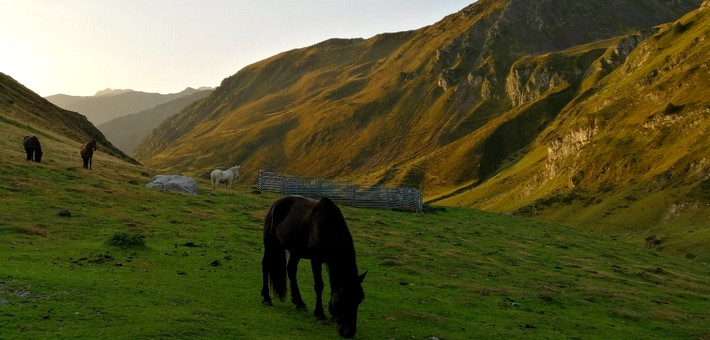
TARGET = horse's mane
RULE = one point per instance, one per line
(337, 237)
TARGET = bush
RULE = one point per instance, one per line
(671, 109)
(125, 240)
(652, 241)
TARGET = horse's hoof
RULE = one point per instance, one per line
(323, 322)
(267, 303)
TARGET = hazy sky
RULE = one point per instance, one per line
(79, 47)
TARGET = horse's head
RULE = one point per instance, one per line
(344, 302)
(92, 144)
(235, 169)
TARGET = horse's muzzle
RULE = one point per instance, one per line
(347, 331)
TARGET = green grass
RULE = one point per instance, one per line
(454, 274)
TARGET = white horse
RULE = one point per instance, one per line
(226, 177)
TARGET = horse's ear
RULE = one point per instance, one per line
(362, 277)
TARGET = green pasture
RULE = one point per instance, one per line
(449, 273)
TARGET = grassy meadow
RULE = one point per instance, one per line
(452, 273)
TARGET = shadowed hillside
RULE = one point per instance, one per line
(21, 107)
(127, 131)
(109, 104)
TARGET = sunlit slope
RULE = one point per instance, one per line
(630, 153)
(362, 109)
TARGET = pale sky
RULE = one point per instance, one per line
(78, 47)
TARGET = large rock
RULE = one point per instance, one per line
(176, 183)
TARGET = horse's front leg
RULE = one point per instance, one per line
(317, 268)
(292, 269)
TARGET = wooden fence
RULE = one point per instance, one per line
(343, 192)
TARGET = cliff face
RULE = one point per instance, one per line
(628, 154)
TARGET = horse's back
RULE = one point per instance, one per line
(306, 225)
(287, 221)
(217, 175)
(31, 141)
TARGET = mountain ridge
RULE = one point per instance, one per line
(126, 132)
(108, 104)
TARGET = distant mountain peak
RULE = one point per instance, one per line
(111, 92)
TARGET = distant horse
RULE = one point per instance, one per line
(227, 177)
(315, 230)
(32, 148)
(87, 153)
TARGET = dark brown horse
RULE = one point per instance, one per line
(315, 230)
(32, 148)
(87, 153)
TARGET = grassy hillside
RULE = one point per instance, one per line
(22, 108)
(455, 273)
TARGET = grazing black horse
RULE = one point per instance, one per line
(315, 230)
(32, 148)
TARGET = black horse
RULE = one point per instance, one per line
(32, 148)
(315, 230)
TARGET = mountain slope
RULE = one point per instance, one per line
(127, 131)
(631, 153)
(22, 108)
(506, 106)
(110, 104)
(343, 108)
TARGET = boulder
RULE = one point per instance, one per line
(176, 183)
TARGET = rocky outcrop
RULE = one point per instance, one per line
(568, 146)
(175, 183)
(527, 82)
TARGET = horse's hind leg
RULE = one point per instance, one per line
(292, 269)
(266, 301)
(317, 269)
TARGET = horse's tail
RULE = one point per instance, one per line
(274, 261)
